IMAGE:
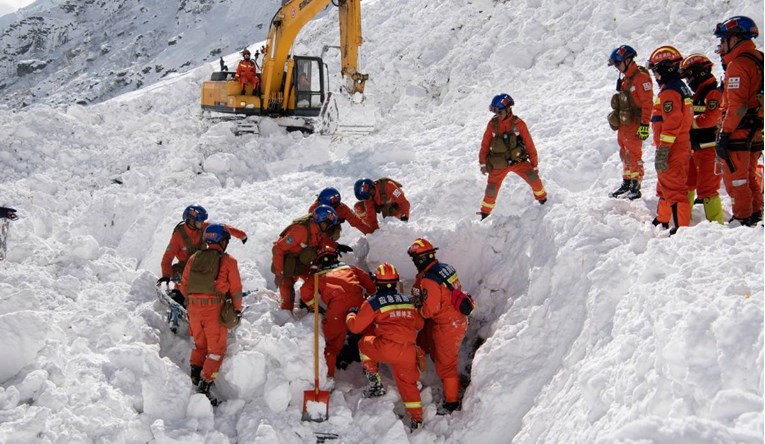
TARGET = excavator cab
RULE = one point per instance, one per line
(309, 86)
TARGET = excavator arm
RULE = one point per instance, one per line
(287, 22)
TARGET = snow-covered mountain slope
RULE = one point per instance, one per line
(595, 327)
(86, 51)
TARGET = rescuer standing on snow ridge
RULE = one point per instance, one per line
(507, 147)
(630, 116)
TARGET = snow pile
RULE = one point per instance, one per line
(593, 326)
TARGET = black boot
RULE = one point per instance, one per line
(625, 186)
(656, 222)
(634, 191)
(414, 425)
(745, 222)
(375, 389)
(448, 407)
(243, 92)
(204, 388)
(196, 374)
(483, 215)
(755, 218)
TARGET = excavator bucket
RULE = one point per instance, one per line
(356, 115)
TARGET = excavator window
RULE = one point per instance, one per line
(308, 84)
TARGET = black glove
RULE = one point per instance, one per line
(8, 213)
(177, 296)
(164, 279)
(353, 310)
(341, 248)
(404, 219)
(721, 149)
(244, 241)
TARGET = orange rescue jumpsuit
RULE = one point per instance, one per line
(640, 87)
(526, 169)
(293, 240)
(246, 72)
(387, 195)
(671, 124)
(344, 213)
(706, 109)
(445, 326)
(743, 80)
(341, 287)
(209, 335)
(184, 242)
(396, 322)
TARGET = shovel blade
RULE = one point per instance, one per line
(315, 405)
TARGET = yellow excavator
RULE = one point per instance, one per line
(293, 89)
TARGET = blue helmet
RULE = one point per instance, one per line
(739, 26)
(324, 213)
(195, 213)
(363, 189)
(329, 196)
(216, 233)
(501, 102)
(621, 54)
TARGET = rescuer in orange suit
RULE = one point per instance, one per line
(445, 326)
(383, 196)
(739, 144)
(632, 106)
(507, 147)
(187, 240)
(341, 287)
(210, 276)
(671, 123)
(331, 197)
(246, 72)
(296, 248)
(696, 69)
(396, 322)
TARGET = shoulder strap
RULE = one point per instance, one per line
(190, 246)
(380, 183)
(304, 220)
(758, 62)
(632, 76)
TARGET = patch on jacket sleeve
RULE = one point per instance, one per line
(734, 83)
(668, 106)
(289, 240)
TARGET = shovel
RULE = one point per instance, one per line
(315, 402)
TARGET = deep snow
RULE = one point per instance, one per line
(597, 327)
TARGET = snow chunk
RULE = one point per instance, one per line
(85, 247)
(24, 334)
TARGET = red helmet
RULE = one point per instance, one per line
(695, 65)
(326, 255)
(420, 246)
(386, 273)
(664, 55)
